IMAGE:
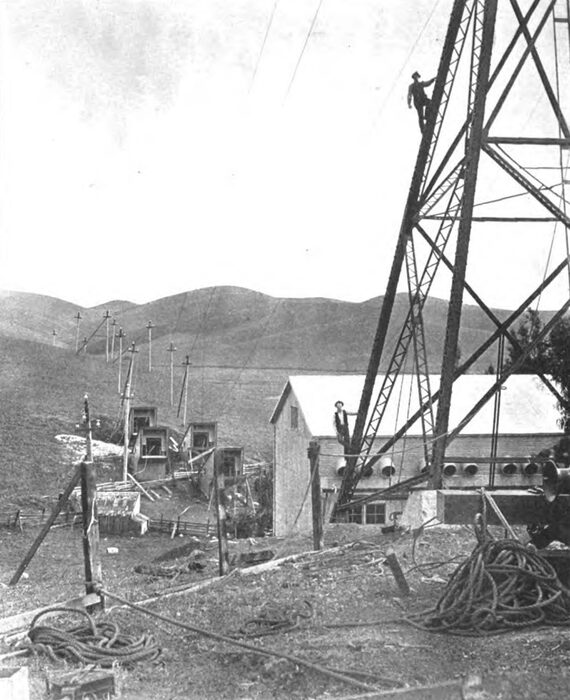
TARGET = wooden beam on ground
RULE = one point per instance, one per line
(519, 507)
(45, 529)
(141, 488)
(10, 625)
(448, 690)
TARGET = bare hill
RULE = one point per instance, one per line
(238, 327)
(242, 346)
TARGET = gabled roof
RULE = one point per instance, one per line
(527, 406)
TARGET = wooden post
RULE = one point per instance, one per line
(113, 324)
(394, 564)
(224, 564)
(120, 336)
(171, 350)
(77, 319)
(314, 475)
(187, 365)
(92, 560)
(107, 316)
(149, 327)
(45, 529)
(127, 402)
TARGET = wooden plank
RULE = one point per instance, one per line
(448, 690)
(455, 507)
(23, 619)
(141, 488)
(504, 522)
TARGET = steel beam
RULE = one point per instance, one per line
(405, 231)
(463, 236)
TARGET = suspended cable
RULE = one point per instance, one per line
(314, 21)
(269, 25)
(417, 40)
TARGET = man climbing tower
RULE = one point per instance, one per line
(417, 94)
(341, 425)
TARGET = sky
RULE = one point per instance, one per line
(151, 147)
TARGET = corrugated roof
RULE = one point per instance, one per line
(527, 406)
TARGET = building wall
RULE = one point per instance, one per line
(291, 471)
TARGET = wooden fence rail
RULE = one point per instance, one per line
(181, 527)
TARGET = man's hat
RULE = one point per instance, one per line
(415, 75)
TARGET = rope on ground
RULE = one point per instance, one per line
(244, 645)
(500, 587)
(101, 643)
(274, 618)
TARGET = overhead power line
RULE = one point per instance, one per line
(314, 21)
(262, 49)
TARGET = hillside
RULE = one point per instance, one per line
(238, 327)
(242, 346)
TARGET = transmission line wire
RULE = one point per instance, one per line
(313, 22)
(262, 49)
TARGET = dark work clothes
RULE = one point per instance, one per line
(342, 429)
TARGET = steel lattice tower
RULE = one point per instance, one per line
(494, 53)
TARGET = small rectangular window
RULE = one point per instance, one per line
(153, 447)
(294, 417)
(355, 514)
(375, 513)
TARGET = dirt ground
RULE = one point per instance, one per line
(356, 622)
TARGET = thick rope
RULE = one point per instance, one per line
(500, 587)
(101, 643)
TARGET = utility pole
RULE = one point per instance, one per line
(171, 350)
(186, 372)
(113, 324)
(127, 403)
(120, 336)
(107, 316)
(77, 319)
(149, 327)
(92, 560)
(314, 475)
(54, 334)
(219, 495)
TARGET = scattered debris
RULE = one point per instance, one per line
(83, 684)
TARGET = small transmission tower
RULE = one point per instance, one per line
(492, 164)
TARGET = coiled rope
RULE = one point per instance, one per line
(273, 618)
(101, 643)
(503, 585)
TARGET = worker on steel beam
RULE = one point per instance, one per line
(341, 425)
(417, 95)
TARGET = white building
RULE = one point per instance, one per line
(305, 412)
